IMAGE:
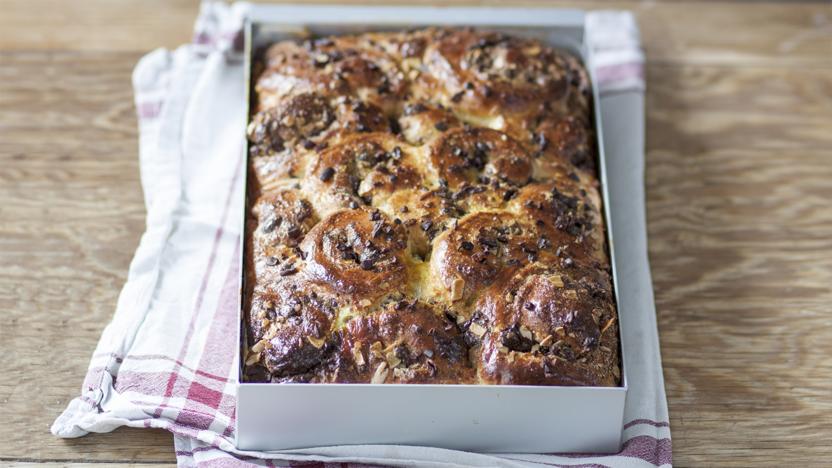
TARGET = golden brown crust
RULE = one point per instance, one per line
(424, 209)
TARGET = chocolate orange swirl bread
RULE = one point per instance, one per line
(424, 208)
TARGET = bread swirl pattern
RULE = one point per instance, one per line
(424, 208)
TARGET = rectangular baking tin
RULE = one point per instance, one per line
(482, 418)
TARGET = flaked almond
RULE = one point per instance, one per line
(511, 356)
(456, 288)
(357, 355)
(252, 358)
(316, 342)
(571, 294)
(616, 372)
(547, 341)
(535, 348)
(556, 281)
(393, 361)
(375, 349)
(265, 323)
(380, 375)
(609, 324)
(503, 349)
(605, 349)
(526, 333)
(560, 331)
(477, 329)
(460, 319)
(365, 303)
(259, 346)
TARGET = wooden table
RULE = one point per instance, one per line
(739, 185)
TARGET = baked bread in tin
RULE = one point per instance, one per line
(424, 207)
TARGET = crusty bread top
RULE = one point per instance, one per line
(424, 208)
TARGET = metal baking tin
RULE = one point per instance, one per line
(482, 418)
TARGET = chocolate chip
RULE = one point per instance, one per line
(367, 264)
(457, 97)
(288, 270)
(272, 223)
(327, 174)
(394, 126)
(466, 245)
(487, 241)
(414, 109)
(441, 125)
(512, 339)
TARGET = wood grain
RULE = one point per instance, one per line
(740, 228)
(739, 163)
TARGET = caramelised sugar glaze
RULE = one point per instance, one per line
(424, 208)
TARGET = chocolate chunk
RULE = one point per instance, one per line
(294, 232)
(512, 339)
(288, 270)
(327, 174)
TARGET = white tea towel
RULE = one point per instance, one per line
(167, 358)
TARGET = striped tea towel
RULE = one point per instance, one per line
(167, 358)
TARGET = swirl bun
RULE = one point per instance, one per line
(357, 252)
(355, 171)
(462, 155)
(292, 328)
(495, 71)
(346, 68)
(483, 247)
(408, 342)
(548, 316)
